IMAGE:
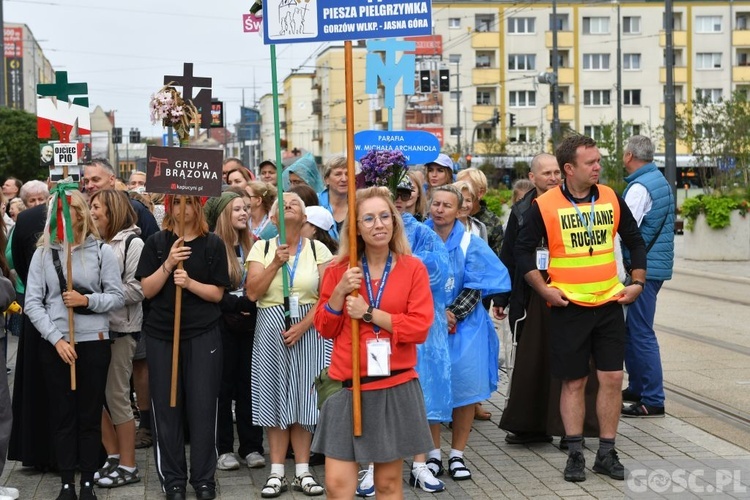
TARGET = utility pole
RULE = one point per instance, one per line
(618, 142)
(670, 135)
(554, 87)
(458, 109)
(3, 102)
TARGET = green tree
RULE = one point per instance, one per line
(19, 145)
(613, 171)
(717, 134)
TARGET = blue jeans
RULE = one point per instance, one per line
(642, 358)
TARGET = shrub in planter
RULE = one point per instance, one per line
(716, 207)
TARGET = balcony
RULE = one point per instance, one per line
(482, 112)
(564, 39)
(567, 112)
(679, 109)
(741, 74)
(741, 38)
(680, 74)
(485, 40)
(485, 76)
(316, 107)
(565, 76)
(679, 38)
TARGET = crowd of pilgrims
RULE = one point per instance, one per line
(427, 271)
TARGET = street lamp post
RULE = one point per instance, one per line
(458, 108)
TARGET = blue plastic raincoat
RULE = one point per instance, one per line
(474, 347)
(307, 170)
(433, 357)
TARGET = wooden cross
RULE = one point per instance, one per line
(189, 82)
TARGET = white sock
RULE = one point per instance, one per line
(456, 453)
(434, 454)
(416, 465)
(117, 456)
(129, 469)
(300, 469)
(278, 469)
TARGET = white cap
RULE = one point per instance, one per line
(443, 160)
(319, 217)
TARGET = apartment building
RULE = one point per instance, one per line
(494, 52)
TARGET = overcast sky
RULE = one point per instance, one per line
(124, 49)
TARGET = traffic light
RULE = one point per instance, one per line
(445, 80)
(495, 118)
(468, 161)
(135, 136)
(512, 119)
(117, 135)
(425, 83)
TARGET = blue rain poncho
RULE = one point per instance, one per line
(307, 170)
(433, 357)
(474, 347)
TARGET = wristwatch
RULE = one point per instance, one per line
(639, 282)
(368, 315)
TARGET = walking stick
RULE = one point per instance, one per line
(177, 315)
(351, 194)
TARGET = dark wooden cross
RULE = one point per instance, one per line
(188, 82)
(62, 90)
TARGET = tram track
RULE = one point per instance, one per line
(709, 296)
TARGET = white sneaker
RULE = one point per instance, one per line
(366, 486)
(255, 460)
(8, 493)
(227, 462)
(422, 476)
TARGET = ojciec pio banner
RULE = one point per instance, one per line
(293, 21)
(188, 171)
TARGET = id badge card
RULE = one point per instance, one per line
(294, 305)
(542, 258)
(378, 358)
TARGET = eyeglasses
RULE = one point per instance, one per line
(403, 195)
(369, 220)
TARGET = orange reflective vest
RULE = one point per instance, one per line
(582, 254)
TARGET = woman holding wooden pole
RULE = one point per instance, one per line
(395, 308)
(76, 415)
(202, 278)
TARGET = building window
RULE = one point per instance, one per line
(631, 130)
(560, 23)
(521, 25)
(677, 93)
(485, 133)
(596, 97)
(676, 58)
(703, 130)
(742, 21)
(522, 98)
(454, 22)
(484, 22)
(676, 21)
(708, 24)
(598, 62)
(522, 134)
(595, 25)
(485, 59)
(454, 58)
(521, 62)
(708, 60)
(485, 96)
(631, 25)
(708, 95)
(743, 58)
(631, 61)
(454, 95)
(631, 97)
(596, 132)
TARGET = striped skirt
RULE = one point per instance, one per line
(282, 378)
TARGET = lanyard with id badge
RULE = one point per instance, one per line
(294, 297)
(378, 351)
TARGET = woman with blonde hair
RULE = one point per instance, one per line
(471, 224)
(395, 307)
(75, 415)
(261, 197)
(203, 280)
(115, 218)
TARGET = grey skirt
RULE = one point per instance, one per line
(394, 425)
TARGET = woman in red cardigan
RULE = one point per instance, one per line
(395, 309)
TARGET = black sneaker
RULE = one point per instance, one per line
(629, 396)
(575, 468)
(68, 492)
(175, 493)
(87, 492)
(564, 443)
(527, 438)
(641, 410)
(610, 465)
(205, 492)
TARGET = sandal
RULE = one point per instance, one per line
(460, 472)
(307, 484)
(275, 486)
(119, 477)
(110, 465)
(480, 413)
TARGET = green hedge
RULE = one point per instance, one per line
(497, 200)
